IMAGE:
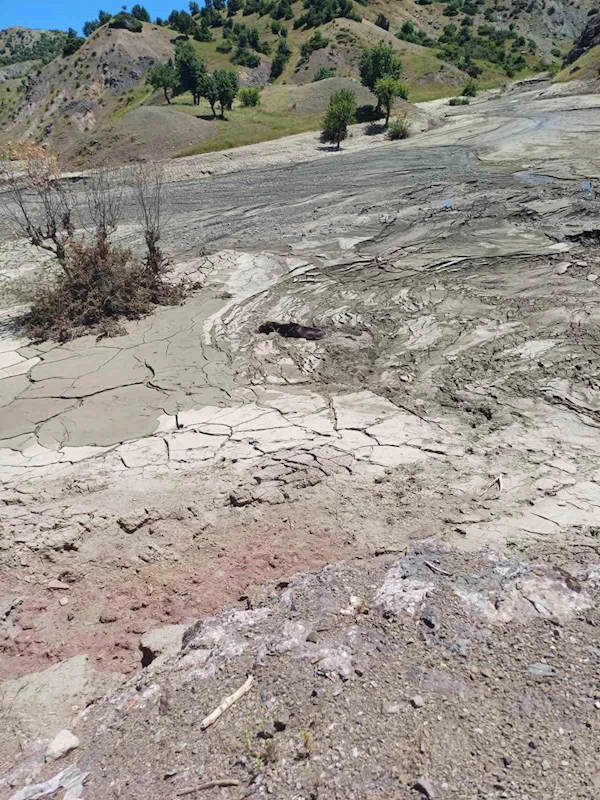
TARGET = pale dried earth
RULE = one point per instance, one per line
(149, 479)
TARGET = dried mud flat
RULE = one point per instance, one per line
(149, 480)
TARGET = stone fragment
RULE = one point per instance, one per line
(63, 743)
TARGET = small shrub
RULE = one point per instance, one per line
(382, 22)
(224, 46)
(459, 101)
(399, 128)
(126, 22)
(323, 73)
(471, 88)
(249, 97)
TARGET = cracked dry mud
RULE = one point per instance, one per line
(159, 474)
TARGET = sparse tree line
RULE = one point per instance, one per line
(380, 70)
(187, 73)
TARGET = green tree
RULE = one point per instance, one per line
(202, 32)
(163, 75)
(209, 91)
(190, 69)
(378, 61)
(387, 89)
(383, 22)
(339, 114)
(139, 12)
(228, 85)
(72, 43)
(194, 8)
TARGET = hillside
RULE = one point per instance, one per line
(88, 105)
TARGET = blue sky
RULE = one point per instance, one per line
(65, 14)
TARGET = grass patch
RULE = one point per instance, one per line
(589, 64)
(135, 98)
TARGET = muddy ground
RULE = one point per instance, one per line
(148, 480)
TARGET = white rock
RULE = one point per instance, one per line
(63, 743)
(592, 277)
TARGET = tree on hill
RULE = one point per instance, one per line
(387, 89)
(72, 42)
(139, 12)
(190, 68)
(228, 84)
(93, 25)
(376, 62)
(163, 75)
(209, 92)
(182, 22)
(339, 114)
(194, 8)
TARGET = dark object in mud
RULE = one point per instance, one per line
(292, 330)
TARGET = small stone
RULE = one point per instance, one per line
(595, 780)
(58, 585)
(241, 496)
(281, 722)
(429, 618)
(63, 743)
(418, 701)
(109, 616)
(597, 703)
(63, 601)
(425, 787)
(541, 670)
(486, 672)
(507, 761)
(312, 637)
(545, 764)
(592, 277)
(533, 744)
(391, 708)
(562, 268)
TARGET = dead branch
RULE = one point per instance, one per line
(208, 785)
(226, 703)
(38, 203)
(103, 190)
(439, 570)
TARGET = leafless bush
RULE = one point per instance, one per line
(98, 283)
(38, 204)
(148, 183)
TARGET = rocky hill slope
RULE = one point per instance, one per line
(86, 104)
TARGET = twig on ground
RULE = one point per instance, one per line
(208, 785)
(226, 703)
(441, 571)
(496, 482)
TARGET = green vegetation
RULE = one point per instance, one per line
(126, 22)
(399, 128)
(72, 43)
(282, 55)
(163, 76)
(379, 61)
(316, 42)
(471, 88)
(45, 48)
(318, 12)
(323, 73)
(340, 113)
(382, 22)
(459, 101)
(387, 89)
(249, 98)
(190, 70)
(227, 86)
(408, 33)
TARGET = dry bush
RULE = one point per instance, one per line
(96, 283)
